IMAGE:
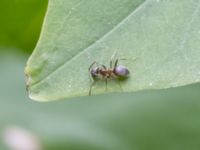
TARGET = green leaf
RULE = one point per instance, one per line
(163, 35)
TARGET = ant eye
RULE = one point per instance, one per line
(121, 71)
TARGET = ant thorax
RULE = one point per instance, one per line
(101, 72)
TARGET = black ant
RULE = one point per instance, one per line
(102, 72)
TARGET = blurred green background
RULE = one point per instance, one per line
(158, 120)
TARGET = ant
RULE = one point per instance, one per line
(103, 72)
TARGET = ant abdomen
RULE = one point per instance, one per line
(121, 71)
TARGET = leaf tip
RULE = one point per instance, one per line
(28, 80)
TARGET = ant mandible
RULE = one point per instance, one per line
(103, 72)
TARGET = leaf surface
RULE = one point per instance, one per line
(163, 35)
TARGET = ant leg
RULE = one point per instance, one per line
(112, 59)
(104, 67)
(106, 80)
(92, 65)
(116, 62)
(89, 69)
(129, 59)
(92, 84)
(110, 64)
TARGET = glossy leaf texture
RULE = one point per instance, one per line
(163, 37)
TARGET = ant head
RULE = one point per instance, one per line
(94, 72)
(121, 71)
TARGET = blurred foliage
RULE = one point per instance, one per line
(21, 22)
(157, 120)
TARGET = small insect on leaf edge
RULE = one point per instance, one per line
(104, 73)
